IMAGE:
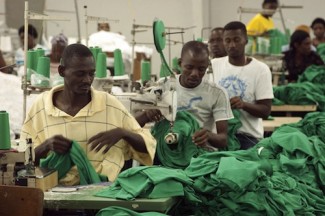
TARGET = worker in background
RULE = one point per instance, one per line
(215, 42)
(247, 81)
(300, 55)
(216, 48)
(59, 43)
(32, 43)
(96, 120)
(206, 101)
(263, 22)
(318, 27)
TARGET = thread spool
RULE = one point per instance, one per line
(118, 63)
(31, 62)
(101, 71)
(4, 131)
(40, 52)
(145, 71)
(43, 66)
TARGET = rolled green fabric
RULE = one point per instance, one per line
(5, 143)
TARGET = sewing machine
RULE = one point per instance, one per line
(161, 95)
(17, 168)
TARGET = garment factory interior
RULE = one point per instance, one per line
(151, 107)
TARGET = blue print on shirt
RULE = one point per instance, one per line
(234, 86)
(190, 105)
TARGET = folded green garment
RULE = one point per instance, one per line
(76, 156)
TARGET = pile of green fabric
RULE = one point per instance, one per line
(314, 74)
(177, 155)
(305, 93)
(282, 175)
(119, 211)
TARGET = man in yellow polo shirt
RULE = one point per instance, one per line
(96, 120)
(262, 22)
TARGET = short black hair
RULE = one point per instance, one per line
(234, 25)
(270, 1)
(74, 50)
(195, 46)
(298, 36)
(31, 30)
(318, 20)
(217, 29)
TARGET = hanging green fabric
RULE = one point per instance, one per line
(76, 156)
(177, 155)
(233, 125)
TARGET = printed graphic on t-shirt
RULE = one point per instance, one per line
(191, 105)
(234, 86)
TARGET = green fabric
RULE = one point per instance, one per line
(119, 211)
(76, 156)
(283, 174)
(150, 182)
(314, 74)
(233, 125)
(305, 93)
(177, 155)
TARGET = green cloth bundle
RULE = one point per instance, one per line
(76, 156)
(314, 74)
(305, 93)
(120, 211)
(149, 182)
(177, 155)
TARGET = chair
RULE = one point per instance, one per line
(21, 201)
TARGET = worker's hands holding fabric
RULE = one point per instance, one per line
(153, 115)
(106, 139)
(201, 137)
(59, 144)
(237, 103)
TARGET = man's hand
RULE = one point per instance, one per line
(59, 144)
(151, 115)
(237, 103)
(106, 139)
(201, 137)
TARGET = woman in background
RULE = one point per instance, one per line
(300, 55)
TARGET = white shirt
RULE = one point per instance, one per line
(251, 82)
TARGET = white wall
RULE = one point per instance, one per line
(174, 13)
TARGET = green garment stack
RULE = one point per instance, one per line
(321, 50)
(314, 74)
(177, 155)
(76, 156)
(119, 211)
(305, 93)
(148, 182)
(283, 174)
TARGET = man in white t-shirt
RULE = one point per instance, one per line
(207, 101)
(248, 83)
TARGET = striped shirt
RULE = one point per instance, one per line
(104, 112)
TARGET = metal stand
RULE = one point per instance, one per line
(29, 15)
(94, 18)
(135, 29)
(242, 10)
